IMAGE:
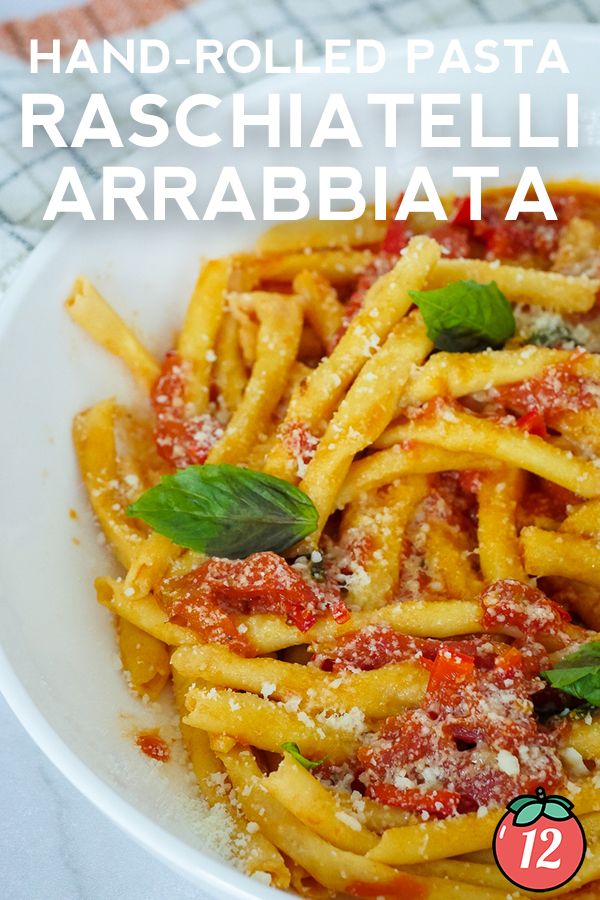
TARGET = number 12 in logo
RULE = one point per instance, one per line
(539, 843)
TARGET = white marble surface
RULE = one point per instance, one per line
(54, 845)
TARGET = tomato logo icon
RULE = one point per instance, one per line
(539, 843)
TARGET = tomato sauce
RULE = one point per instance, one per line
(209, 597)
(545, 502)
(509, 604)
(152, 745)
(400, 887)
(475, 740)
(541, 401)
(473, 743)
(457, 492)
(530, 236)
(192, 604)
(182, 438)
(383, 262)
(453, 240)
(533, 422)
(377, 645)
(300, 443)
(346, 558)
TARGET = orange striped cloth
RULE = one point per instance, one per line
(94, 20)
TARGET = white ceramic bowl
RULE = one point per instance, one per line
(57, 655)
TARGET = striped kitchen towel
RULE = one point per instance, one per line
(28, 176)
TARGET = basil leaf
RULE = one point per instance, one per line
(552, 336)
(586, 655)
(466, 316)
(578, 673)
(317, 570)
(227, 511)
(294, 750)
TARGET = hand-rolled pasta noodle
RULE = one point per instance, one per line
(385, 304)
(381, 518)
(338, 870)
(561, 553)
(550, 290)
(145, 659)
(230, 371)
(322, 308)
(432, 618)
(499, 496)
(462, 834)
(385, 466)
(459, 374)
(290, 237)
(279, 332)
(88, 308)
(461, 431)
(318, 807)
(447, 554)
(363, 413)
(378, 693)
(265, 724)
(198, 336)
(94, 439)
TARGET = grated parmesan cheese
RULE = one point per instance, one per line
(348, 820)
(508, 763)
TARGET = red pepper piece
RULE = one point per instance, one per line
(533, 422)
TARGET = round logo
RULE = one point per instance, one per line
(539, 843)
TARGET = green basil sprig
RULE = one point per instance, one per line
(227, 511)
(552, 336)
(578, 673)
(466, 316)
(294, 750)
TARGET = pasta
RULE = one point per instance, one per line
(359, 540)
(88, 308)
